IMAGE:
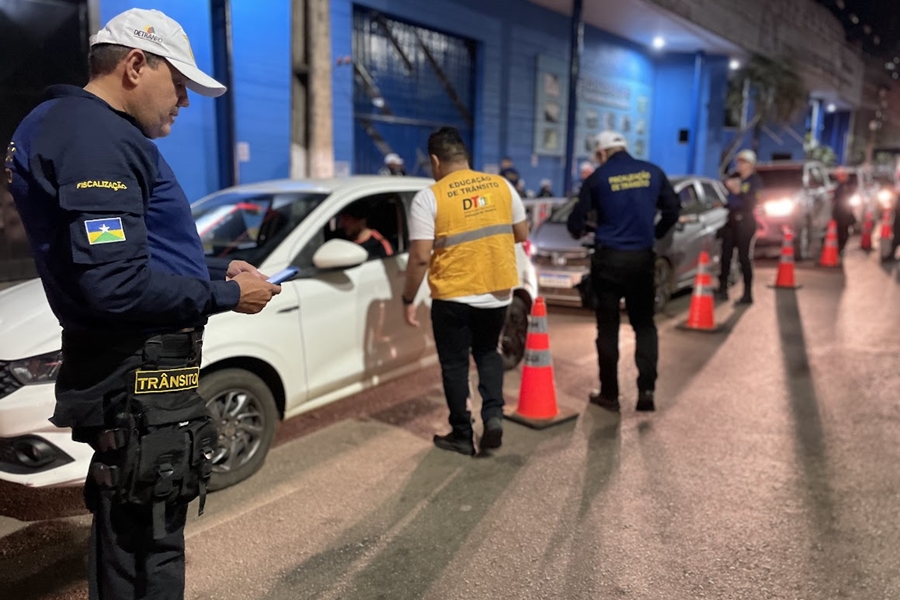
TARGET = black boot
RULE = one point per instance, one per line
(457, 442)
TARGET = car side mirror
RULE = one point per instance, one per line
(339, 254)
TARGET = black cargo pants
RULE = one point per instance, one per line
(126, 558)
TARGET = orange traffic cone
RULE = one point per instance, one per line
(886, 243)
(785, 277)
(537, 394)
(865, 239)
(830, 256)
(701, 316)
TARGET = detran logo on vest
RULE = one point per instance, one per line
(475, 202)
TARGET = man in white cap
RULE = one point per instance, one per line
(124, 271)
(393, 165)
(744, 189)
(584, 171)
(625, 193)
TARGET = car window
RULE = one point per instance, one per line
(384, 215)
(690, 200)
(712, 195)
(249, 226)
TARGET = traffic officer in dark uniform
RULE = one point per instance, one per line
(744, 189)
(626, 195)
(124, 271)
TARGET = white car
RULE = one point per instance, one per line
(335, 330)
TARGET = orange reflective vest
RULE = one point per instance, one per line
(474, 247)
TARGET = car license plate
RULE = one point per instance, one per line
(555, 280)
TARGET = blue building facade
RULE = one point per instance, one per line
(670, 106)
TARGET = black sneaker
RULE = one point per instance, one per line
(493, 434)
(721, 296)
(744, 301)
(611, 404)
(645, 401)
(456, 442)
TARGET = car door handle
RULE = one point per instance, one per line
(288, 309)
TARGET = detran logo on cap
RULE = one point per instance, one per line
(148, 33)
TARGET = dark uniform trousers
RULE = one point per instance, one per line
(127, 558)
(738, 234)
(460, 329)
(629, 274)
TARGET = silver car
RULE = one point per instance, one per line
(563, 264)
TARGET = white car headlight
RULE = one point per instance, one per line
(885, 197)
(780, 208)
(37, 369)
(855, 200)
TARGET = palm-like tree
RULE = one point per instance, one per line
(776, 91)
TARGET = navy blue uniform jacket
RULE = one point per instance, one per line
(626, 193)
(110, 228)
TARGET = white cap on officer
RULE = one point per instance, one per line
(748, 156)
(610, 139)
(154, 32)
(393, 159)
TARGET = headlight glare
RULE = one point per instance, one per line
(37, 369)
(780, 208)
(855, 200)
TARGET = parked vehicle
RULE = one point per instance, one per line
(795, 194)
(563, 264)
(334, 330)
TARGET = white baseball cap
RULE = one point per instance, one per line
(610, 139)
(747, 156)
(154, 32)
(393, 158)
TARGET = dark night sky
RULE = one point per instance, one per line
(881, 16)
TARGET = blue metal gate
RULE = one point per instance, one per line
(408, 81)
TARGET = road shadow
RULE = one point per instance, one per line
(810, 445)
(38, 504)
(413, 536)
(44, 561)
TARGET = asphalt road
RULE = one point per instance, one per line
(768, 471)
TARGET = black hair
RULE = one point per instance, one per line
(104, 58)
(447, 145)
(356, 210)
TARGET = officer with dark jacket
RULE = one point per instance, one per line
(625, 194)
(841, 211)
(744, 189)
(124, 271)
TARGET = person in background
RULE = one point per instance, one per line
(584, 171)
(625, 194)
(508, 170)
(393, 165)
(545, 191)
(738, 232)
(841, 211)
(463, 231)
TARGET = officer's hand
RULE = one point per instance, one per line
(733, 184)
(255, 292)
(236, 267)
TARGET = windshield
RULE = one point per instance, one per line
(249, 226)
(561, 213)
(781, 178)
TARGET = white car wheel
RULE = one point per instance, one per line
(243, 409)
